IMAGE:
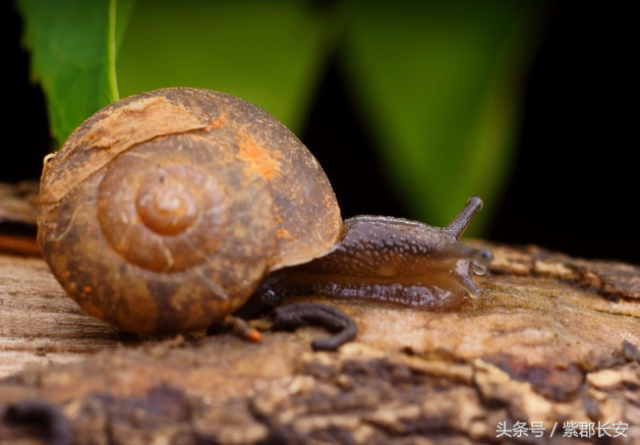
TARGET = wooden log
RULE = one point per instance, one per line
(18, 215)
(550, 347)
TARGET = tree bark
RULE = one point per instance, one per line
(552, 340)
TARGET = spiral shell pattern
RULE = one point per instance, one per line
(164, 211)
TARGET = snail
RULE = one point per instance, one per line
(166, 211)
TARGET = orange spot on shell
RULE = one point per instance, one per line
(87, 289)
(277, 216)
(216, 123)
(263, 162)
(283, 233)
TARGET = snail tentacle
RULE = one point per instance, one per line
(166, 211)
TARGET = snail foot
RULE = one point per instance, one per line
(292, 316)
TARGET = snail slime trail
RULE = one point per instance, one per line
(166, 211)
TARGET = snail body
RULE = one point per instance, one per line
(164, 212)
(391, 260)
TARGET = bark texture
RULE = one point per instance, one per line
(18, 218)
(552, 339)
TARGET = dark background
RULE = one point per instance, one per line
(573, 187)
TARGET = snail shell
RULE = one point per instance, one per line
(164, 211)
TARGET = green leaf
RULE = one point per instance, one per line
(124, 11)
(439, 84)
(269, 53)
(72, 46)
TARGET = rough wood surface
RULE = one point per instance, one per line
(552, 339)
(18, 215)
